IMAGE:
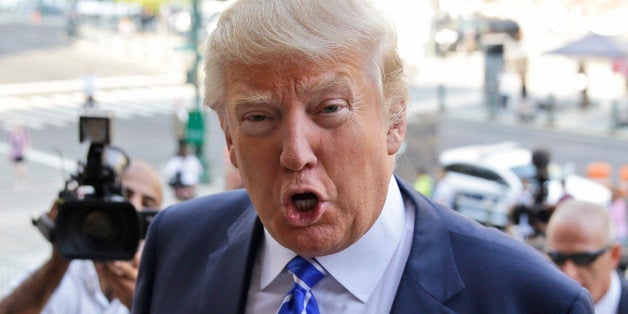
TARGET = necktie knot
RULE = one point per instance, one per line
(305, 274)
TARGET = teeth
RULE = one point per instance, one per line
(304, 205)
(304, 202)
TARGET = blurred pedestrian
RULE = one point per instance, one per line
(519, 216)
(72, 20)
(618, 212)
(89, 88)
(423, 182)
(19, 140)
(581, 241)
(508, 87)
(582, 81)
(183, 171)
(180, 117)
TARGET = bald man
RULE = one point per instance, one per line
(83, 286)
(581, 242)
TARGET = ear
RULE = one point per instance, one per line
(616, 254)
(396, 134)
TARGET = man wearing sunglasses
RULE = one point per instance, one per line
(581, 241)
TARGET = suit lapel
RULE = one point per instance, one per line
(430, 277)
(228, 271)
(623, 299)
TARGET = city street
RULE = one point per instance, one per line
(41, 87)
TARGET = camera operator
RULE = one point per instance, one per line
(84, 286)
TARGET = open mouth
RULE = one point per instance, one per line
(305, 209)
(304, 201)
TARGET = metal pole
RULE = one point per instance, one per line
(193, 78)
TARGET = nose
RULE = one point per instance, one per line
(136, 201)
(298, 138)
(570, 269)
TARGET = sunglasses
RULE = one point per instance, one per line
(581, 259)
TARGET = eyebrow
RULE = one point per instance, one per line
(327, 82)
(250, 98)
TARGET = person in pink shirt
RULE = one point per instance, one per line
(19, 140)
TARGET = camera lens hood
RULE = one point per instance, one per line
(97, 230)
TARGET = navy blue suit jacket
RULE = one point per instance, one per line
(623, 299)
(199, 256)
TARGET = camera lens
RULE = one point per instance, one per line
(99, 227)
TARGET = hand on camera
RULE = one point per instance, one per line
(118, 278)
(56, 256)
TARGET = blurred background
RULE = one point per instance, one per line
(502, 76)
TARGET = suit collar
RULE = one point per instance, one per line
(431, 266)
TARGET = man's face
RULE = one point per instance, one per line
(314, 147)
(569, 238)
(142, 187)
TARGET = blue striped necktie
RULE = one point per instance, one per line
(300, 299)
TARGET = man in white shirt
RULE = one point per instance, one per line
(82, 286)
(581, 241)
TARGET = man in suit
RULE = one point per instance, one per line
(312, 101)
(581, 241)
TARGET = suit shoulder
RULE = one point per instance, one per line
(220, 208)
(213, 204)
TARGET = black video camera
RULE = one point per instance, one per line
(94, 220)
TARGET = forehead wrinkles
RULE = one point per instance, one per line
(325, 81)
(260, 84)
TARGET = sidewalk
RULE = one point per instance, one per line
(595, 121)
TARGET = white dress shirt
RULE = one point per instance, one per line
(79, 292)
(362, 278)
(609, 303)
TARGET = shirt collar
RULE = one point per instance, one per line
(376, 248)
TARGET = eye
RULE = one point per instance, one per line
(257, 123)
(127, 193)
(149, 202)
(332, 113)
(330, 109)
(255, 118)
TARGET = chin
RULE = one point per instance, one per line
(315, 242)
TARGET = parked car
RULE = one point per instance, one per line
(486, 181)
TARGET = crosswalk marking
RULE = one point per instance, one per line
(37, 111)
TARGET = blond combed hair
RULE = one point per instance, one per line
(265, 31)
